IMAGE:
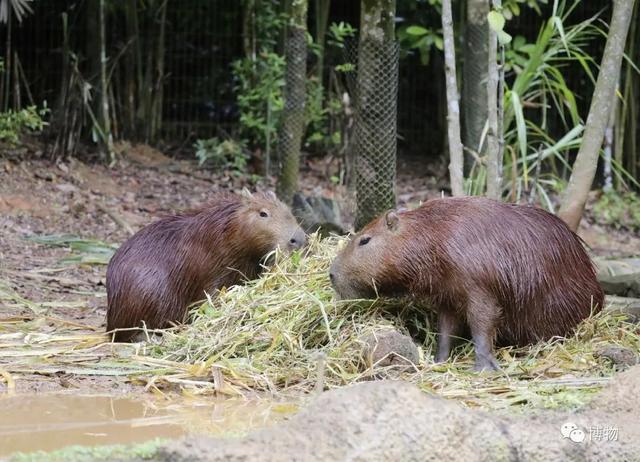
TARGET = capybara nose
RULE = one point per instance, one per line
(332, 277)
(298, 240)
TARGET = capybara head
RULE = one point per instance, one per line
(357, 271)
(269, 223)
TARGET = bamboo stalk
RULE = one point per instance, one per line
(494, 189)
(456, 159)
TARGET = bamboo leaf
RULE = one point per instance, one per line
(520, 123)
(558, 24)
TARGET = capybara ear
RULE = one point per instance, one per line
(392, 220)
(246, 193)
(270, 195)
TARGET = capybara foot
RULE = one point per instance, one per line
(485, 363)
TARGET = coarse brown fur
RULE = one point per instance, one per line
(508, 272)
(169, 264)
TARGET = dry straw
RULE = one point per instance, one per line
(285, 333)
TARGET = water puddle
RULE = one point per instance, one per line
(51, 421)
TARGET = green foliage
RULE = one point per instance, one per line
(511, 8)
(321, 133)
(259, 88)
(323, 106)
(228, 154)
(539, 85)
(338, 33)
(259, 77)
(536, 91)
(496, 21)
(420, 37)
(15, 123)
(144, 451)
(620, 210)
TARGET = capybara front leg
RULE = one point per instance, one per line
(448, 327)
(482, 315)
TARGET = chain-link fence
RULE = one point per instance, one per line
(293, 116)
(374, 90)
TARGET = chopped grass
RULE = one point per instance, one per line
(279, 331)
(285, 333)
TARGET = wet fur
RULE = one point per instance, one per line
(166, 266)
(511, 272)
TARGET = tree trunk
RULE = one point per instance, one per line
(290, 136)
(456, 156)
(375, 134)
(494, 159)
(584, 168)
(474, 87)
(105, 121)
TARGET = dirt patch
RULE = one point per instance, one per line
(396, 421)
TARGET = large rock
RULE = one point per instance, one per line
(389, 421)
(623, 285)
(388, 347)
(318, 213)
(619, 276)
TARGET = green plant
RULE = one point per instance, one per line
(417, 35)
(339, 32)
(536, 91)
(13, 124)
(323, 105)
(259, 89)
(620, 210)
(226, 154)
(421, 38)
(259, 76)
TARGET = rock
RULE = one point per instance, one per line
(318, 213)
(623, 285)
(392, 420)
(390, 348)
(616, 266)
(619, 356)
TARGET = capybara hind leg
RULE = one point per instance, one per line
(482, 316)
(448, 327)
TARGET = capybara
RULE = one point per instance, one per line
(170, 264)
(505, 272)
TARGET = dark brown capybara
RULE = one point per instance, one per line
(508, 272)
(169, 264)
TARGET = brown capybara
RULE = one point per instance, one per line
(170, 264)
(508, 272)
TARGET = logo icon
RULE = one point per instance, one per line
(573, 432)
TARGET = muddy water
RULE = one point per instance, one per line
(52, 421)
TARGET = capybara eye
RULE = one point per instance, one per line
(264, 213)
(364, 241)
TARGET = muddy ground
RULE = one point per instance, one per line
(93, 201)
